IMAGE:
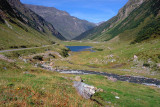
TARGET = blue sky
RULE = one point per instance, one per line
(91, 10)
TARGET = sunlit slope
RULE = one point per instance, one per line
(18, 30)
(139, 25)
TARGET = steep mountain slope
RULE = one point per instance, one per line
(131, 20)
(33, 19)
(67, 25)
(20, 27)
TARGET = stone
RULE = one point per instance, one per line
(117, 97)
(99, 90)
(78, 78)
(4, 68)
(25, 60)
(135, 58)
(111, 78)
(51, 64)
(26, 72)
(158, 65)
(85, 90)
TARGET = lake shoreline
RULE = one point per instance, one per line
(80, 48)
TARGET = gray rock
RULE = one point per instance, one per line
(85, 90)
(135, 58)
(111, 78)
(117, 97)
(4, 68)
(78, 78)
(158, 64)
(26, 72)
(99, 90)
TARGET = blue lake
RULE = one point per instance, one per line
(80, 48)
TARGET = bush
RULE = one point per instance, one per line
(146, 65)
(1, 48)
(40, 58)
(16, 54)
(23, 46)
(52, 55)
(14, 47)
(53, 42)
(10, 85)
(64, 52)
(96, 49)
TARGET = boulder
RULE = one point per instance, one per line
(85, 90)
(78, 78)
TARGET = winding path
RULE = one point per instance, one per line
(10, 50)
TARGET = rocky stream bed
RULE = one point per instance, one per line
(131, 79)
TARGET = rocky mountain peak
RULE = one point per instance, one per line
(128, 8)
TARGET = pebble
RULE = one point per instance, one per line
(4, 68)
(117, 97)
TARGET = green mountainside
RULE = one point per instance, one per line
(20, 27)
(69, 26)
(136, 25)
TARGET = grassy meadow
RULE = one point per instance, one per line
(23, 84)
(16, 37)
(117, 57)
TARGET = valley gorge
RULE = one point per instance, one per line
(49, 58)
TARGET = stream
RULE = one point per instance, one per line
(131, 79)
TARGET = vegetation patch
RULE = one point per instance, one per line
(146, 65)
(40, 58)
(96, 49)
(64, 52)
(153, 28)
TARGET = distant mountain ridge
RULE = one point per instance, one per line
(133, 18)
(69, 26)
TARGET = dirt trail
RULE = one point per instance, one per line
(10, 50)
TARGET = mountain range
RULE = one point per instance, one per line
(20, 26)
(28, 25)
(138, 20)
(69, 26)
(32, 19)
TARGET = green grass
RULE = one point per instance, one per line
(122, 55)
(16, 54)
(37, 88)
(23, 84)
(141, 24)
(131, 95)
(17, 37)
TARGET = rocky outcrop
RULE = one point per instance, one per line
(84, 90)
(128, 8)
